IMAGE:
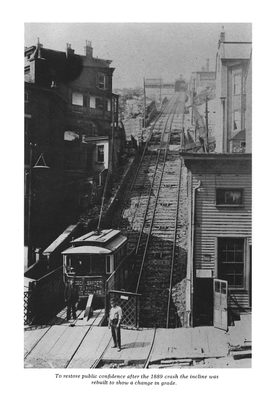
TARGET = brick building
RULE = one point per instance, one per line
(71, 126)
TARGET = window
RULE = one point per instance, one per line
(26, 97)
(101, 104)
(100, 153)
(237, 84)
(92, 102)
(79, 99)
(108, 105)
(236, 120)
(98, 264)
(231, 261)
(229, 197)
(108, 265)
(102, 81)
(244, 83)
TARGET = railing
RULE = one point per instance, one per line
(28, 316)
(116, 285)
(45, 297)
(130, 304)
(120, 278)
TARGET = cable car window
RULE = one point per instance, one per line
(108, 265)
(85, 265)
(98, 265)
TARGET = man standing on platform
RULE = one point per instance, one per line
(71, 298)
(114, 322)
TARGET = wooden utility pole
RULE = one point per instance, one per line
(206, 123)
(144, 108)
(30, 247)
(160, 92)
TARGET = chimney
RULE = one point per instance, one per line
(207, 64)
(222, 35)
(69, 50)
(88, 50)
(39, 44)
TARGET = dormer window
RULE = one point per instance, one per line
(102, 81)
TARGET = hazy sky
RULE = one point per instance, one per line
(139, 50)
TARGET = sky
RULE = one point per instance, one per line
(141, 50)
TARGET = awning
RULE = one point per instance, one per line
(240, 135)
(86, 250)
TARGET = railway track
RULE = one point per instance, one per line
(150, 218)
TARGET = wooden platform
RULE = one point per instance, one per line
(136, 346)
(56, 348)
(92, 347)
(200, 342)
(85, 344)
(54, 345)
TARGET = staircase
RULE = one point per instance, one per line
(240, 337)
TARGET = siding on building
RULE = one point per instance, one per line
(212, 222)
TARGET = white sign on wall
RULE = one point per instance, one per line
(204, 273)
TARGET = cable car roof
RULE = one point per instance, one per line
(86, 250)
(97, 237)
(102, 242)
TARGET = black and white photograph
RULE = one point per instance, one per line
(138, 143)
(135, 193)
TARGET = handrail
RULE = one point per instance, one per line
(46, 275)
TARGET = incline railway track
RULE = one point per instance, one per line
(149, 217)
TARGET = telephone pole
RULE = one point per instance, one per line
(144, 108)
(206, 123)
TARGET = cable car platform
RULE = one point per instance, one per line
(86, 344)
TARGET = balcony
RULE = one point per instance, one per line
(92, 112)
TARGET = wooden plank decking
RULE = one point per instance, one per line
(135, 346)
(92, 347)
(56, 348)
(182, 343)
(82, 343)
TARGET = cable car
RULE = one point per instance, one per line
(92, 260)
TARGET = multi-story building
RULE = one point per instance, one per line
(219, 232)
(200, 80)
(232, 64)
(220, 200)
(71, 126)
